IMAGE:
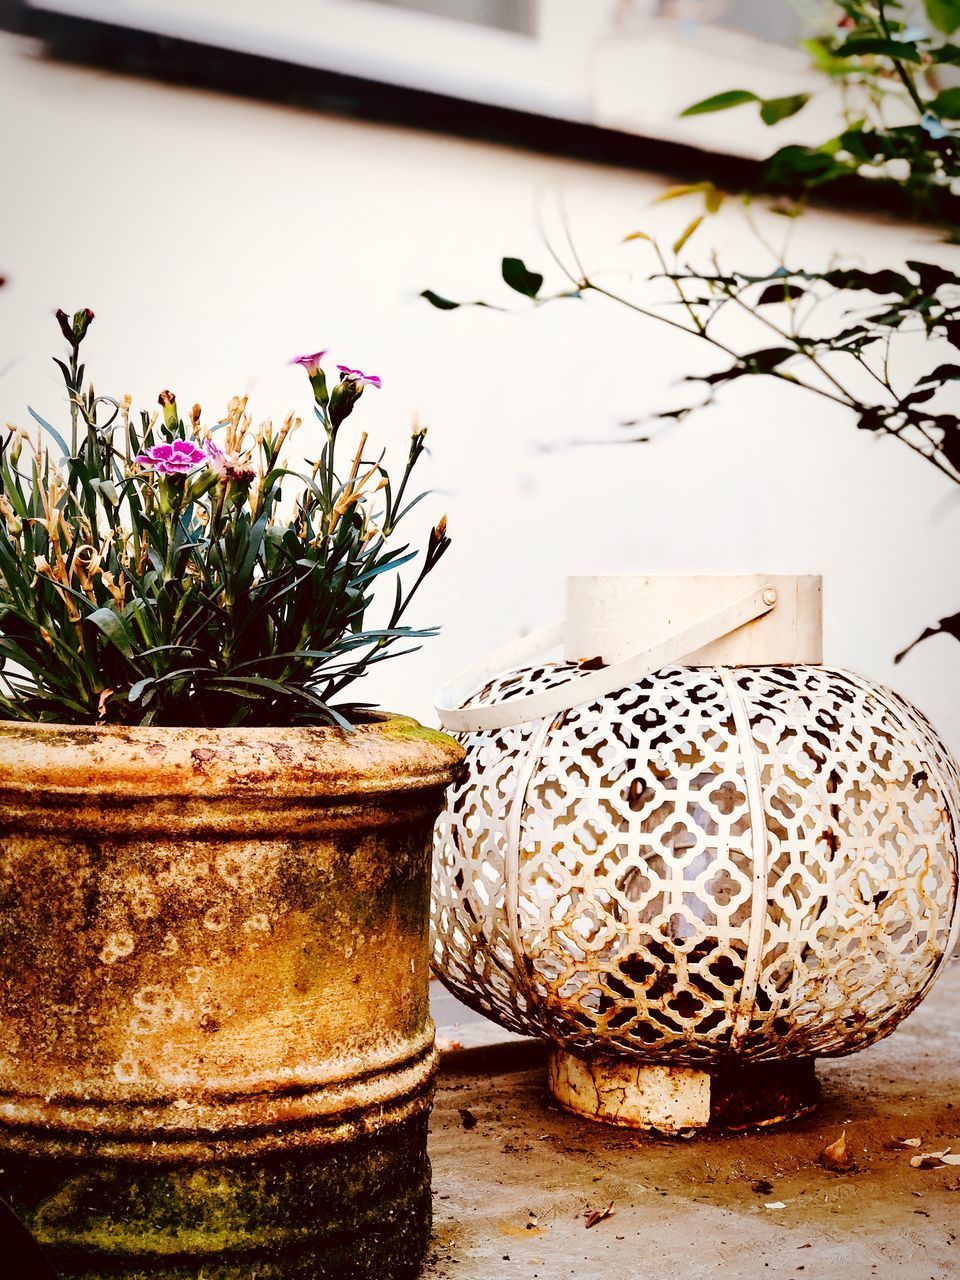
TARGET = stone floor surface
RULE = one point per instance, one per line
(516, 1178)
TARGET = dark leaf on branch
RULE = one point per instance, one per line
(518, 277)
(943, 373)
(920, 396)
(766, 360)
(877, 45)
(780, 293)
(946, 626)
(933, 276)
(949, 444)
(435, 300)
(871, 418)
(873, 281)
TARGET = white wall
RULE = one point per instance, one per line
(214, 237)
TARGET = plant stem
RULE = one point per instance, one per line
(901, 70)
(845, 400)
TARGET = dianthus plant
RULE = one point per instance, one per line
(161, 571)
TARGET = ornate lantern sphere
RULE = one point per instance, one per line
(692, 879)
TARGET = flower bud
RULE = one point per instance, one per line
(200, 483)
(74, 330)
(342, 399)
(438, 542)
(81, 323)
(168, 402)
(318, 380)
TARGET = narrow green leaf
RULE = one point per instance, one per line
(773, 110)
(687, 233)
(721, 102)
(51, 431)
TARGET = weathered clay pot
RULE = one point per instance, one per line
(216, 1057)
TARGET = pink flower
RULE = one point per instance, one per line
(174, 459)
(311, 362)
(227, 466)
(359, 377)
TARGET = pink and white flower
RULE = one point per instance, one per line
(173, 458)
(310, 362)
(360, 378)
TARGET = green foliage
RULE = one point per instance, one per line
(160, 572)
(886, 69)
(944, 14)
(721, 102)
(772, 110)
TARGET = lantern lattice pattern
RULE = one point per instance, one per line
(754, 863)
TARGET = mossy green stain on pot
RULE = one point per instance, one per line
(213, 993)
(362, 1211)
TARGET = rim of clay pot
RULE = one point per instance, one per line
(385, 752)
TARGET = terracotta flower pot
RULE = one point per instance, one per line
(216, 1056)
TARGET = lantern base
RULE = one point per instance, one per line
(671, 1099)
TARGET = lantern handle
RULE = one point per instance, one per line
(583, 685)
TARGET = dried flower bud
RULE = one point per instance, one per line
(10, 517)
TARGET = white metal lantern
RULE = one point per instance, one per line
(692, 879)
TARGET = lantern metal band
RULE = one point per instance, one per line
(714, 867)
